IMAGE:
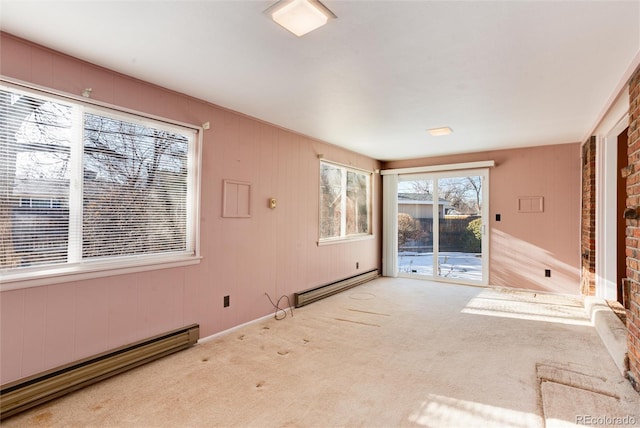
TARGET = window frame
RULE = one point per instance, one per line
(75, 270)
(344, 237)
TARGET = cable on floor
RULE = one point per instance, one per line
(278, 308)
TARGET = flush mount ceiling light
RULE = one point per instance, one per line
(439, 132)
(300, 16)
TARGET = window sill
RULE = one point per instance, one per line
(333, 241)
(60, 274)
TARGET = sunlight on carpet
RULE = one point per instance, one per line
(438, 410)
(529, 306)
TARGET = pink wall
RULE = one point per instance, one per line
(275, 251)
(523, 245)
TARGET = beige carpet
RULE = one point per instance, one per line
(389, 353)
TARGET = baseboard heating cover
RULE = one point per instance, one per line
(317, 293)
(23, 394)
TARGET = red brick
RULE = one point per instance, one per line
(632, 240)
(588, 245)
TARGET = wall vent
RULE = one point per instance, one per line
(317, 293)
(23, 394)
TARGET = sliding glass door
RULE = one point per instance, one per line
(441, 226)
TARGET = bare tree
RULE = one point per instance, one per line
(331, 197)
(475, 182)
(357, 203)
(135, 181)
(463, 193)
(424, 187)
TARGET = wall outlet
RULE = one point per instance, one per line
(498, 217)
(547, 273)
(226, 301)
(357, 265)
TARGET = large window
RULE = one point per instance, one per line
(345, 202)
(85, 188)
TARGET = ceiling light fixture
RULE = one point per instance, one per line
(300, 16)
(439, 132)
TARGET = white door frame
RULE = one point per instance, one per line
(606, 209)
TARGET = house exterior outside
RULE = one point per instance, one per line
(420, 205)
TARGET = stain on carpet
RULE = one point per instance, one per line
(572, 396)
(369, 312)
(356, 322)
(42, 419)
(574, 378)
(362, 296)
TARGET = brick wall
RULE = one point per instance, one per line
(633, 232)
(588, 228)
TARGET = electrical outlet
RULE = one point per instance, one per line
(498, 217)
(226, 301)
(357, 265)
(547, 273)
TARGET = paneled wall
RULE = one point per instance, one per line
(274, 251)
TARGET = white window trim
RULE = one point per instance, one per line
(606, 206)
(439, 168)
(355, 237)
(350, 238)
(13, 279)
(90, 270)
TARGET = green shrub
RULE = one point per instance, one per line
(473, 236)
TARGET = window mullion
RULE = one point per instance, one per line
(74, 252)
(192, 195)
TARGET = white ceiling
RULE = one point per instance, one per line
(502, 74)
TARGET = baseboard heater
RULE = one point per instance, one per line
(317, 293)
(23, 394)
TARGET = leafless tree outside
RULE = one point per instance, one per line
(135, 184)
(463, 193)
(330, 200)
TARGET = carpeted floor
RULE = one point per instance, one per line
(389, 353)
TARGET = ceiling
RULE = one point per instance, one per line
(501, 74)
